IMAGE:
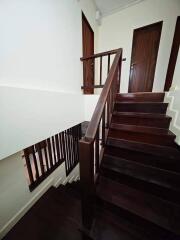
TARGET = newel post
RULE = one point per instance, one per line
(86, 154)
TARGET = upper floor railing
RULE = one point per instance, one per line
(91, 147)
(96, 69)
(42, 158)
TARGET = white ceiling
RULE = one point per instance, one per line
(107, 7)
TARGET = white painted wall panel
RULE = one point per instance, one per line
(29, 116)
(117, 31)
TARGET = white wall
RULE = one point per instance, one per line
(28, 116)
(40, 69)
(15, 197)
(41, 43)
(40, 89)
(90, 102)
(176, 77)
(173, 97)
(117, 31)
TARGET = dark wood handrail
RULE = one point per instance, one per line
(90, 63)
(100, 54)
(91, 147)
(93, 125)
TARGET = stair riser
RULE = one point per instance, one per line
(143, 97)
(143, 108)
(147, 187)
(149, 229)
(145, 173)
(147, 159)
(142, 137)
(158, 211)
(159, 123)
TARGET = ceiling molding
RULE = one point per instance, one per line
(118, 9)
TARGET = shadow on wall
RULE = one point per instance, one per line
(173, 99)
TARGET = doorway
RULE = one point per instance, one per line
(88, 50)
(144, 56)
(173, 56)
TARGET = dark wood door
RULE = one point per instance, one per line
(143, 59)
(88, 49)
(173, 56)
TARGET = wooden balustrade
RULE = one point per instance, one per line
(44, 157)
(102, 72)
(92, 145)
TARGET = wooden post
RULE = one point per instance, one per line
(86, 152)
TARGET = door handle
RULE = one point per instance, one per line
(132, 65)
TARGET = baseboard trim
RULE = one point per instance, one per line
(52, 181)
(10, 224)
(174, 113)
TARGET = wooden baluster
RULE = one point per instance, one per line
(57, 147)
(101, 70)
(67, 150)
(73, 148)
(86, 151)
(97, 151)
(35, 163)
(46, 157)
(103, 126)
(54, 149)
(61, 147)
(28, 163)
(80, 131)
(119, 79)
(110, 101)
(42, 146)
(109, 59)
(38, 148)
(50, 152)
(108, 110)
(70, 147)
(79, 136)
(75, 143)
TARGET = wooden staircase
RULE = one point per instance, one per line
(137, 192)
(129, 174)
(140, 169)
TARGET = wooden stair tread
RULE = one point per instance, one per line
(162, 162)
(142, 134)
(161, 177)
(142, 129)
(151, 208)
(144, 107)
(158, 120)
(138, 229)
(141, 115)
(143, 96)
(157, 150)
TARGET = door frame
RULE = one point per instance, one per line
(133, 41)
(83, 47)
(173, 56)
(85, 19)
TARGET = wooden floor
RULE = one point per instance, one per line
(137, 190)
(57, 215)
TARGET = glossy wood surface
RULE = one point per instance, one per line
(144, 55)
(88, 49)
(44, 157)
(91, 146)
(173, 56)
